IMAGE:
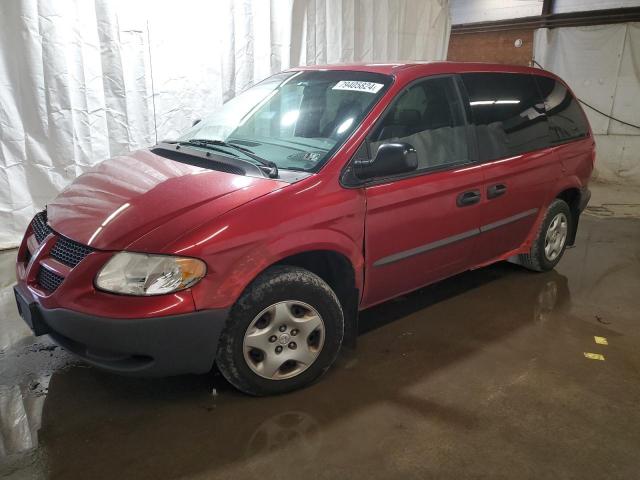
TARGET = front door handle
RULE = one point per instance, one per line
(468, 198)
(496, 190)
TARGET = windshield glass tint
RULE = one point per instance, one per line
(295, 119)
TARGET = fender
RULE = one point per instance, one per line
(221, 289)
(564, 183)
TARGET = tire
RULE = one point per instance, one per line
(299, 300)
(538, 259)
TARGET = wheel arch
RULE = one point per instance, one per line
(572, 196)
(332, 255)
(338, 271)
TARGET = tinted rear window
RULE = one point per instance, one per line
(566, 119)
(508, 114)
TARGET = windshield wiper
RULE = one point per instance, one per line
(271, 168)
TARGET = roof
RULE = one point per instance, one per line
(427, 68)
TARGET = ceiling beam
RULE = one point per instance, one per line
(573, 19)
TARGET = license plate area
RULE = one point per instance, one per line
(30, 313)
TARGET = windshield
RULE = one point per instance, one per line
(294, 119)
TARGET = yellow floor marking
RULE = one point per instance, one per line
(594, 356)
(601, 340)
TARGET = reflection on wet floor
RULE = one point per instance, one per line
(480, 375)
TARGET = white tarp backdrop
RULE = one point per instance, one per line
(602, 66)
(84, 80)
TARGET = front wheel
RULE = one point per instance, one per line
(283, 333)
(550, 243)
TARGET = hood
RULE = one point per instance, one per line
(125, 197)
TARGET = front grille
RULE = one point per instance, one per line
(40, 227)
(49, 280)
(69, 252)
(65, 251)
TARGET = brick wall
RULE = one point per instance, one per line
(493, 47)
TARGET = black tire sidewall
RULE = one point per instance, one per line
(275, 285)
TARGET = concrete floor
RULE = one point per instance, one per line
(481, 376)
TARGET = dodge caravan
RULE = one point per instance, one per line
(253, 240)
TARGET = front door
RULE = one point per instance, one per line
(421, 227)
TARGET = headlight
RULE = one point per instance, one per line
(142, 274)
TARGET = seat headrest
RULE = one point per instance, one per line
(350, 107)
(437, 114)
(409, 117)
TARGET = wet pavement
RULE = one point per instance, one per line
(481, 376)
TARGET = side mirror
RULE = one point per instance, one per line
(391, 159)
(195, 122)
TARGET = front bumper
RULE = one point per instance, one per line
(157, 346)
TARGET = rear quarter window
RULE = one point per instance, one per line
(566, 119)
(507, 112)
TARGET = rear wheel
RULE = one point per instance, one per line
(283, 333)
(550, 243)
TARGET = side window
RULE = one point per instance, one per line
(566, 119)
(507, 112)
(428, 116)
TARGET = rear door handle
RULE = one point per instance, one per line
(468, 198)
(496, 190)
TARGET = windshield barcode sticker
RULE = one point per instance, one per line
(357, 86)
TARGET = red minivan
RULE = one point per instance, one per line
(253, 240)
